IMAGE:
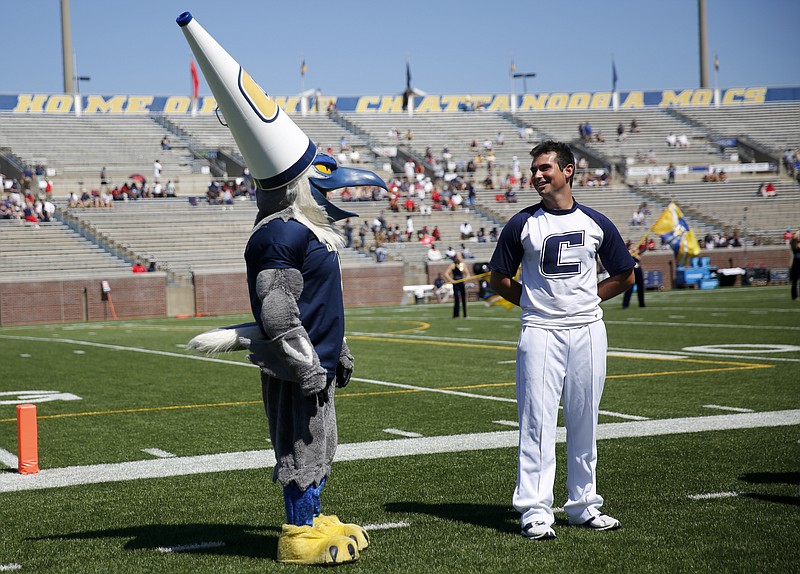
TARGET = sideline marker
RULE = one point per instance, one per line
(28, 439)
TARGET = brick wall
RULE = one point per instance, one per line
(221, 293)
(81, 299)
(145, 294)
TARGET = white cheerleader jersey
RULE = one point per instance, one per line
(558, 251)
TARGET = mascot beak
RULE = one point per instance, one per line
(328, 176)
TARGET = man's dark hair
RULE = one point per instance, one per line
(564, 155)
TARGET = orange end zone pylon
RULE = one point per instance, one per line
(28, 440)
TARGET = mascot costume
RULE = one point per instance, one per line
(295, 284)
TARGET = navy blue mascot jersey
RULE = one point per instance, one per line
(289, 244)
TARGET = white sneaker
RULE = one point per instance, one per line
(538, 530)
(602, 522)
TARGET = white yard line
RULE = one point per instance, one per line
(373, 450)
(711, 495)
(434, 390)
(157, 452)
(10, 567)
(8, 459)
(189, 547)
(386, 525)
(398, 432)
(723, 408)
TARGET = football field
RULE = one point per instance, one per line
(156, 459)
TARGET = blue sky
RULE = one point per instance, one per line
(356, 48)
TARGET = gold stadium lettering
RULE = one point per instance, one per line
(30, 103)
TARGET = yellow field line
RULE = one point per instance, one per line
(735, 367)
(423, 326)
(425, 342)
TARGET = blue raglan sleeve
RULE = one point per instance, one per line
(615, 256)
(509, 251)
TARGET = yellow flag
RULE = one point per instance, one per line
(676, 232)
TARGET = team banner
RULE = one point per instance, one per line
(454, 103)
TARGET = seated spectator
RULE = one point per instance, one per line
(450, 252)
(138, 267)
(434, 254)
(683, 141)
(672, 140)
(767, 190)
(466, 253)
(466, 230)
(165, 143)
(380, 253)
(634, 126)
(599, 137)
(493, 234)
(511, 196)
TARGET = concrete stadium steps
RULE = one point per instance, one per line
(50, 250)
(735, 204)
(206, 132)
(83, 145)
(654, 126)
(177, 236)
(774, 125)
(456, 131)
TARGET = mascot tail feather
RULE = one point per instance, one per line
(226, 339)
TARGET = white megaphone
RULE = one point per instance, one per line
(274, 148)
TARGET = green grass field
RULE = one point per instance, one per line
(698, 456)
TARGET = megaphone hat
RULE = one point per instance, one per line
(274, 148)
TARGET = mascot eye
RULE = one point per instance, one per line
(322, 168)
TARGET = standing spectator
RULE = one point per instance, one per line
(671, 173)
(103, 178)
(638, 274)
(794, 271)
(457, 274)
(620, 132)
(562, 347)
(634, 126)
(157, 170)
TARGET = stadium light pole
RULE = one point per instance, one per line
(66, 49)
(701, 17)
(525, 77)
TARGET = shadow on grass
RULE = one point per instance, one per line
(791, 478)
(494, 516)
(246, 540)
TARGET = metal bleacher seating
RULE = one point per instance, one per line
(183, 238)
(50, 251)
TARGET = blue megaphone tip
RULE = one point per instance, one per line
(184, 19)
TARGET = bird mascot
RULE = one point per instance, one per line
(295, 285)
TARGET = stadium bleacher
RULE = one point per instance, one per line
(183, 238)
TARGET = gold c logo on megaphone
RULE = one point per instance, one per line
(261, 103)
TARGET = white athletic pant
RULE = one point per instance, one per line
(568, 364)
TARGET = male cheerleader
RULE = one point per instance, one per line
(562, 347)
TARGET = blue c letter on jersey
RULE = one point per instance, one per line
(555, 255)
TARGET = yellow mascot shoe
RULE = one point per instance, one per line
(332, 525)
(307, 545)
